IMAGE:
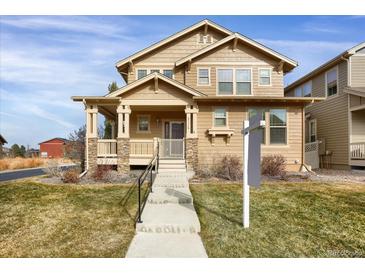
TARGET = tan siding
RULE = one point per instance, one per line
(170, 53)
(358, 71)
(156, 129)
(236, 114)
(332, 125)
(358, 126)
(165, 92)
(224, 56)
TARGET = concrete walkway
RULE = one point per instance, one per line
(170, 224)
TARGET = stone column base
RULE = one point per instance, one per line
(123, 150)
(92, 150)
(191, 148)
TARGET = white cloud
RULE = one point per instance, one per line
(49, 116)
(67, 23)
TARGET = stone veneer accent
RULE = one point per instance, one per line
(92, 148)
(123, 147)
(191, 147)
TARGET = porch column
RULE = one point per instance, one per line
(123, 145)
(191, 140)
(91, 137)
(112, 123)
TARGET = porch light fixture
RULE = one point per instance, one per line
(158, 122)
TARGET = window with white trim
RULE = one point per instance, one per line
(143, 123)
(254, 111)
(278, 126)
(203, 77)
(168, 73)
(312, 130)
(331, 82)
(243, 81)
(225, 81)
(141, 73)
(220, 117)
(264, 77)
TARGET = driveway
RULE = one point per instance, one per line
(25, 173)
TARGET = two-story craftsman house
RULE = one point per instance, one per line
(188, 96)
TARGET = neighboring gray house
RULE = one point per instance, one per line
(338, 121)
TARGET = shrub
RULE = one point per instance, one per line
(229, 168)
(70, 176)
(273, 165)
(101, 172)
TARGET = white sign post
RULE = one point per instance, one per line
(253, 173)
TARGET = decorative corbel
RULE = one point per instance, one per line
(280, 66)
(188, 68)
(130, 67)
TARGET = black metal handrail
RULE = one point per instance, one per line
(154, 163)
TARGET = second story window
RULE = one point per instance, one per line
(225, 81)
(331, 82)
(141, 73)
(243, 81)
(220, 117)
(203, 77)
(168, 73)
(264, 77)
(304, 90)
(278, 126)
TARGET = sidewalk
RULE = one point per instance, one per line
(170, 224)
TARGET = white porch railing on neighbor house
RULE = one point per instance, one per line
(312, 154)
(107, 148)
(143, 148)
(357, 151)
(172, 148)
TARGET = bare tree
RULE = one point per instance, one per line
(75, 147)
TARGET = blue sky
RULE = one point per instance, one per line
(44, 60)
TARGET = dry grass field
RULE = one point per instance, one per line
(18, 163)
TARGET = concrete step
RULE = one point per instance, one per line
(169, 218)
(170, 195)
(172, 161)
(147, 245)
(171, 166)
(171, 171)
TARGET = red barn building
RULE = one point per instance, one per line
(53, 148)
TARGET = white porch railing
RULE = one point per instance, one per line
(107, 148)
(142, 147)
(172, 148)
(312, 154)
(357, 151)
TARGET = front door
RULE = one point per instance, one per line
(173, 144)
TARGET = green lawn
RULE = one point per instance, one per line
(40, 220)
(287, 220)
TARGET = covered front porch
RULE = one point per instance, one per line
(357, 126)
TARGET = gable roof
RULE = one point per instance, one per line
(159, 76)
(243, 39)
(170, 39)
(56, 138)
(325, 66)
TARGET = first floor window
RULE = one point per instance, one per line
(203, 77)
(278, 130)
(168, 73)
(243, 81)
(220, 117)
(312, 130)
(264, 77)
(143, 123)
(141, 73)
(331, 82)
(225, 81)
(258, 111)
